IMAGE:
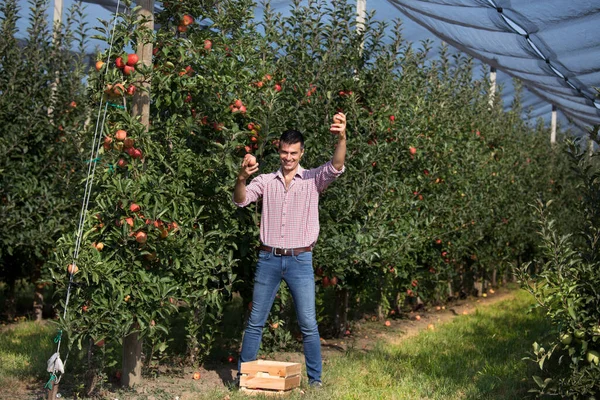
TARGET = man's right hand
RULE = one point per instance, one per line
(249, 166)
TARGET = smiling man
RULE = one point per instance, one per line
(289, 229)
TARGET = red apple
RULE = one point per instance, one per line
(128, 70)
(134, 207)
(207, 44)
(187, 20)
(122, 163)
(392, 118)
(120, 135)
(128, 143)
(119, 62)
(412, 150)
(277, 87)
(132, 59)
(334, 281)
(72, 269)
(141, 237)
(251, 159)
(118, 89)
(137, 153)
(99, 65)
(131, 90)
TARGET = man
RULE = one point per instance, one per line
(288, 231)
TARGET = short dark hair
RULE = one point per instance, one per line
(292, 136)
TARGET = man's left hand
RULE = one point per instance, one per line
(339, 126)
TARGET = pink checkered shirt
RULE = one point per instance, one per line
(290, 218)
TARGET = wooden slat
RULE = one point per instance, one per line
(264, 381)
(275, 368)
(259, 392)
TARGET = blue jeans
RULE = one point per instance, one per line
(297, 272)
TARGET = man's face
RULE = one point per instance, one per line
(289, 155)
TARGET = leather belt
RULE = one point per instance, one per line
(285, 252)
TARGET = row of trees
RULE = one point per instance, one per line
(435, 202)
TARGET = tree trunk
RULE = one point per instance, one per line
(38, 293)
(341, 313)
(132, 360)
(52, 393)
(495, 277)
(38, 302)
(10, 307)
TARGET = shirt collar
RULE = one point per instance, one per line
(299, 172)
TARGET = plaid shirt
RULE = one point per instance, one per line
(290, 218)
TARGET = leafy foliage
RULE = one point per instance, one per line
(42, 113)
(566, 288)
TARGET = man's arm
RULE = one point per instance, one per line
(339, 127)
(239, 191)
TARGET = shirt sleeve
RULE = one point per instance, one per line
(254, 190)
(326, 174)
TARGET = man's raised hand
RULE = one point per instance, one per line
(339, 125)
(249, 166)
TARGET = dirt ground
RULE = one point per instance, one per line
(179, 382)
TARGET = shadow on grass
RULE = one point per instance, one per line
(479, 356)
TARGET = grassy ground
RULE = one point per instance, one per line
(24, 350)
(475, 356)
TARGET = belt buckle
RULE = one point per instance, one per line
(278, 251)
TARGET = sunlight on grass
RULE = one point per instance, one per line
(476, 356)
(24, 350)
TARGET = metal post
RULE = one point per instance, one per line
(553, 125)
(361, 14)
(58, 11)
(492, 85)
(57, 18)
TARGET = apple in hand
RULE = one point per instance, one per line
(251, 160)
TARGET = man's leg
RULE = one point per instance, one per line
(266, 283)
(299, 276)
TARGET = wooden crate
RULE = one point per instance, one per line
(263, 375)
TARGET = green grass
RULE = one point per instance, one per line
(476, 356)
(24, 351)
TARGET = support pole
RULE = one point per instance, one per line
(492, 86)
(141, 99)
(361, 14)
(57, 18)
(553, 125)
(58, 12)
(132, 344)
